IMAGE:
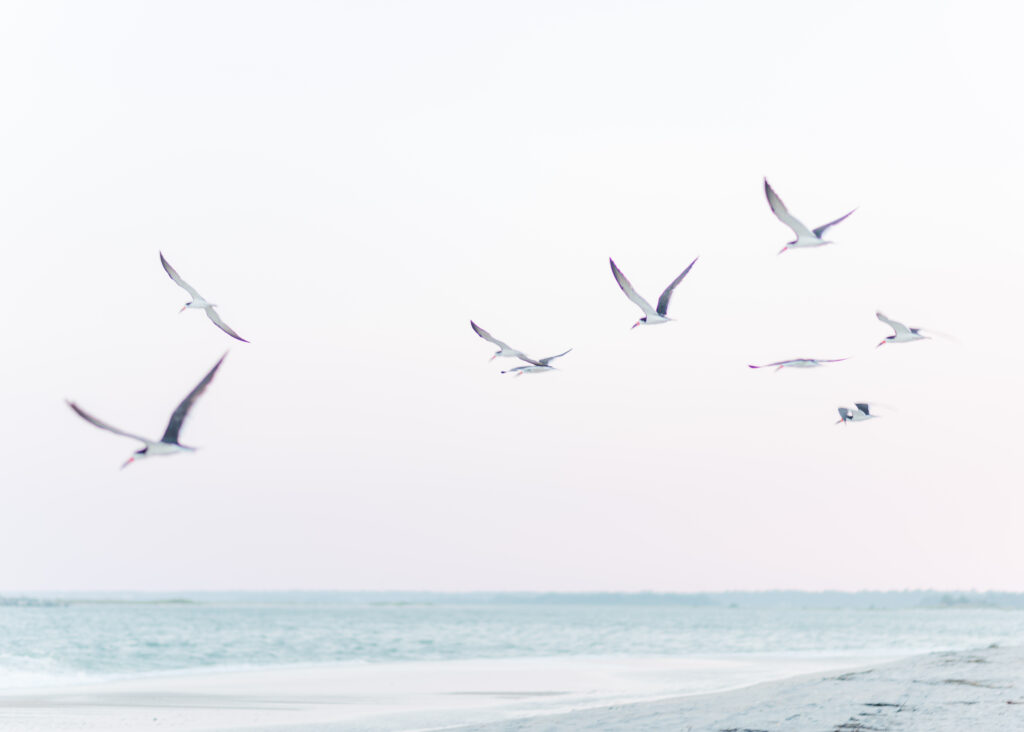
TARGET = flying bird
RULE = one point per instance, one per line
(799, 363)
(168, 444)
(505, 350)
(804, 236)
(536, 367)
(198, 302)
(901, 333)
(859, 413)
(652, 316)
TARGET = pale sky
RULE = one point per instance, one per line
(353, 181)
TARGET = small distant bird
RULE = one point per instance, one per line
(652, 316)
(799, 363)
(506, 351)
(536, 367)
(859, 413)
(198, 302)
(804, 236)
(901, 333)
(168, 444)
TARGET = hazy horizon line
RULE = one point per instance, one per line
(682, 593)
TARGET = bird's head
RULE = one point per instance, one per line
(496, 354)
(184, 308)
(137, 455)
(882, 343)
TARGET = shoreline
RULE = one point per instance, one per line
(392, 696)
(542, 694)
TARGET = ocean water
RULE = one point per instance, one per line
(78, 639)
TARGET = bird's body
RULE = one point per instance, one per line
(860, 412)
(168, 444)
(901, 333)
(198, 302)
(528, 369)
(798, 363)
(536, 367)
(654, 319)
(805, 237)
(158, 449)
(652, 316)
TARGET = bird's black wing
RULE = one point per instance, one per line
(863, 407)
(547, 361)
(820, 231)
(488, 337)
(667, 294)
(103, 425)
(173, 274)
(631, 293)
(178, 418)
(782, 213)
(215, 317)
(502, 345)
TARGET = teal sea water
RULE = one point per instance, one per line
(80, 638)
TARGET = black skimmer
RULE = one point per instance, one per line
(168, 444)
(799, 363)
(859, 413)
(652, 316)
(804, 237)
(536, 367)
(198, 302)
(901, 333)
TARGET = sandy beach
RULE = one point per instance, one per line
(982, 689)
(977, 690)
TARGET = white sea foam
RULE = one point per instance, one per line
(32, 671)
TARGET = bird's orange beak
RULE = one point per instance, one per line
(493, 357)
(183, 308)
(881, 344)
(634, 325)
(782, 251)
(128, 462)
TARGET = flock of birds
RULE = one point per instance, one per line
(805, 238)
(168, 444)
